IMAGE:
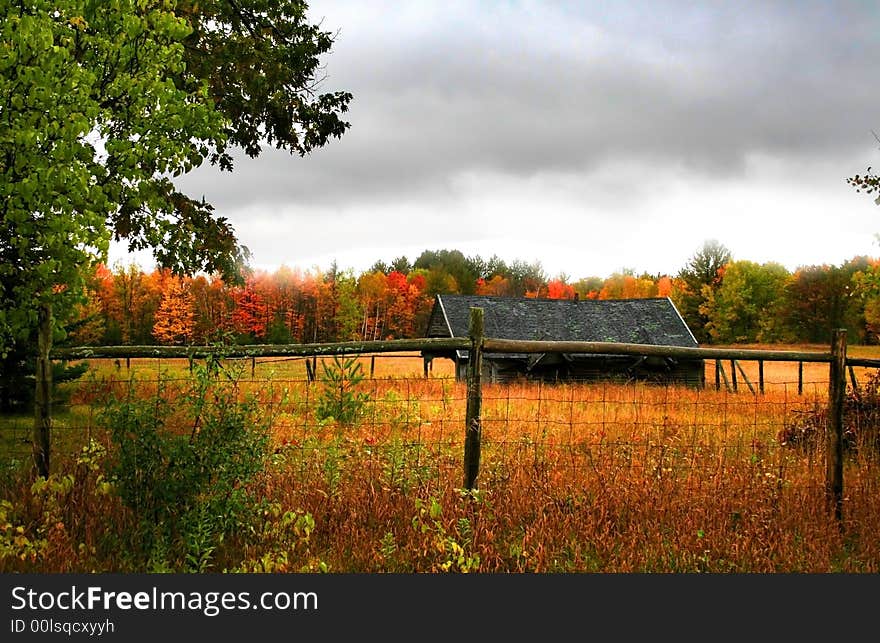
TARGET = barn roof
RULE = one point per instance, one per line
(636, 321)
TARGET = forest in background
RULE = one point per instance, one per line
(723, 300)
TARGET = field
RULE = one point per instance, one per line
(574, 477)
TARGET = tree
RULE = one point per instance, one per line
(747, 306)
(92, 125)
(697, 280)
(213, 309)
(526, 279)
(103, 104)
(497, 286)
(258, 64)
(625, 285)
(822, 298)
(252, 313)
(175, 319)
(465, 270)
(559, 289)
(349, 312)
(589, 287)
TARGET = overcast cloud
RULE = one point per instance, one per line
(591, 137)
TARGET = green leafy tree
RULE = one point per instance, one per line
(698, 280)
(104, 103)
(464, 270)
(92, 124)
(349, 312)
(747, 306)
(258, 63)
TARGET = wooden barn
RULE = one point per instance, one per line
(633, 321)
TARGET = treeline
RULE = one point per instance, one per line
(722, 300)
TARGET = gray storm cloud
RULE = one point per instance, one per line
(520, 89)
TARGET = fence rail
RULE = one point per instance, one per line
(477, 345)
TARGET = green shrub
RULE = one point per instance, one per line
(339, 398)
(183, 464)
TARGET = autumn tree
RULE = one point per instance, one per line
(405, 303)
(496, 286)
(664, 286)
(626, 285)
(747, 306)
(559, 289)
(251, 313)
(819, 299)
(372, 290)
(696, 282)
(175, 319)
(213, 306)
(588, 287)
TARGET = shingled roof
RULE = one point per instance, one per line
(636, 321)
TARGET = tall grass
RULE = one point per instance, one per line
(575, 477)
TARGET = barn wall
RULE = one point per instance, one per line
(506, 370)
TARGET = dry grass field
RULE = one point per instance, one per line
(574, 477)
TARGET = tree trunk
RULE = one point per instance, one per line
(43, 396)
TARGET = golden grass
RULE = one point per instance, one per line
(575, 477)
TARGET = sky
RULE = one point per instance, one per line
(591, 137)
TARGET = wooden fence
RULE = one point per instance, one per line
(477, 344)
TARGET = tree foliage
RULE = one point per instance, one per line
(698, 280)
(747, 306)
(258, 63)
(291, 306)
(869, 182)
(91, 126)
(102, 106)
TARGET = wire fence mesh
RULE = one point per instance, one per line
(408, 429)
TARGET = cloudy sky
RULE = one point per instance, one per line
(591, 137)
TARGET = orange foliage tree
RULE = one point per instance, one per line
(250, 317)
(175, 319)
(558, 289)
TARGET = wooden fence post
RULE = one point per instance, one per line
(43, 393)
(801, 377)
(836, 395)
(473, 419)
(761, 375)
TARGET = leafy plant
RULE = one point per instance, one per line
(340, 398)
(451, 548)
(184, 467)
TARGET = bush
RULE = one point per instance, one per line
(861, 422)
(183, 464)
